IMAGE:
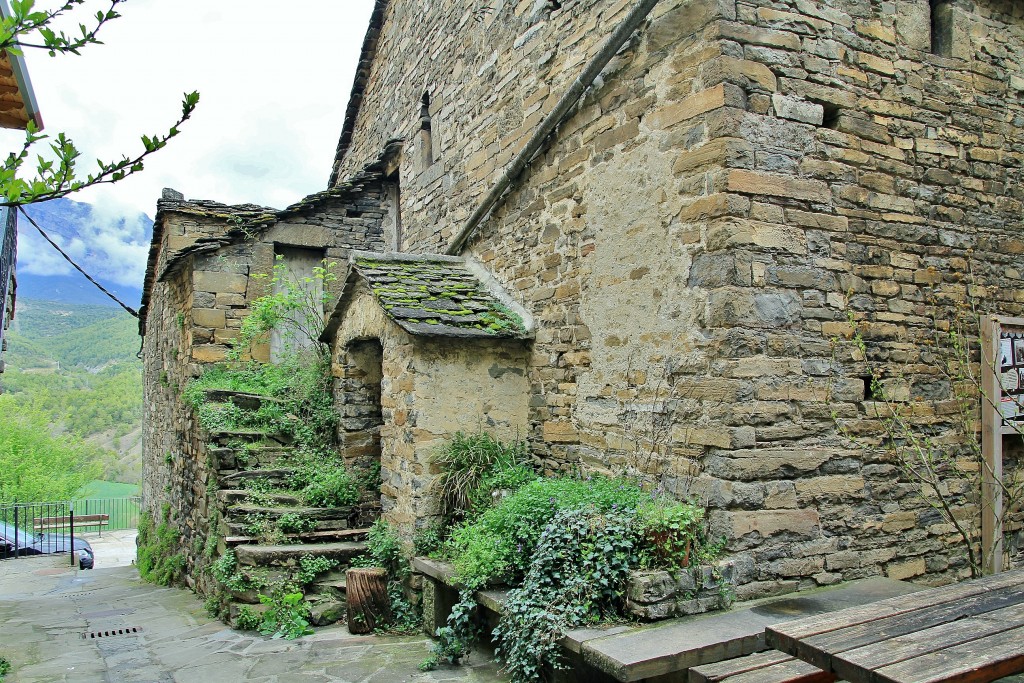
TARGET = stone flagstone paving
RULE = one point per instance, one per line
(45, 607)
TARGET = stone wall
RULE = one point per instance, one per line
(744, 179)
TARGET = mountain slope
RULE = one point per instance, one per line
(111, 247)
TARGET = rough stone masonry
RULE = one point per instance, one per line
(745, 183)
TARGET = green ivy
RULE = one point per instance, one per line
(456, 638)
(577, 576)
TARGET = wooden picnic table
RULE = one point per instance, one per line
(971, 632)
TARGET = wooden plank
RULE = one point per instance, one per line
(786, 635)
(793, 671)
(820, 650)
(711, 673)
(978, 661)
(857, 664)
(991, 449)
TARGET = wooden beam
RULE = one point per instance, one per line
(991, 448)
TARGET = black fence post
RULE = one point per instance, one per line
(16, 554)
(71, 519)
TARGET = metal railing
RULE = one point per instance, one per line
(23, 522)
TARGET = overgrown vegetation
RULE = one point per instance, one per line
(293, 306)
(384, 549)
(159, 554)
(566, 544)
(5, 668)
(473, 465)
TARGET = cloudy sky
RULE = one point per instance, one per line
(274, 80)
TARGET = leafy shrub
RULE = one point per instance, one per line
(569, 544)
(384, 549)
(311, 566)
(287, 614)
(498, 544)
(465, 462)
(507, 479)
(330, 488)
(5, 667)
(428, 540)
(225, 570)
(293, 306)
(261, 526)
(455, 639)
(294, 523)
(668, 532)
(248, 619)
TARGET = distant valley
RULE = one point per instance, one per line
(71, 359)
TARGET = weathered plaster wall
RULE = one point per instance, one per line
(745, 177)
(431, 388)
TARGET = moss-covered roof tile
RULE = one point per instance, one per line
(437, 296)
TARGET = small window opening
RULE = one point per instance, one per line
(830, 116)
(393, 212)
(869, 388)
(942, 27)
(426, 132)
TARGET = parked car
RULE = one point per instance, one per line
(29, 543)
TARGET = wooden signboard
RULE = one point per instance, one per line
(1002, 414)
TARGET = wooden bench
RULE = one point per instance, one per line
(64, 523)
(771, 666)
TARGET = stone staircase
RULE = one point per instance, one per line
(269, 532)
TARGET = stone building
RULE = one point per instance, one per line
(740, 184)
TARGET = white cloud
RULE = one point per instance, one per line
(274, 80)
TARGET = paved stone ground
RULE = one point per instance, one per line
(113, 548)
(46, 607)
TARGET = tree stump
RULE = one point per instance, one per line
(368, 605)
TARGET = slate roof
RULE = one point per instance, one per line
(431, 295)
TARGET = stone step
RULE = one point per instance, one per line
(240, 510)
(325, 536)
(332, 584)
(224, 437)
(288, 555)
(229, 461)
(235, 480)
(241, 399)
(233, 496)
(324, 611)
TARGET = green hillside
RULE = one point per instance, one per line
(74, 368)
(82, 335)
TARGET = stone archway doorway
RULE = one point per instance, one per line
(360, 404)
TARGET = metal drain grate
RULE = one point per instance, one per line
(112, 632)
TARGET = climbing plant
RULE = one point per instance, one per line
(293, 305)
(927, 414)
